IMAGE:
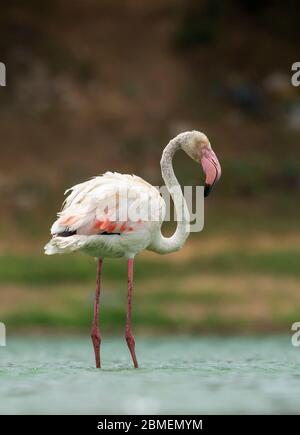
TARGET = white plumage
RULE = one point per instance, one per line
(103, 205)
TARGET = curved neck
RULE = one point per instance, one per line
(161, 244)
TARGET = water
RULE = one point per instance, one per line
(178, 375)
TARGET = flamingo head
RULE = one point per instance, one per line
(197, 146)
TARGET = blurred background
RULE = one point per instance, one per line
(103, 85)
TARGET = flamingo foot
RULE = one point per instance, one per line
(128, 332)
(95, 333)
(131, 346)
(96, 339)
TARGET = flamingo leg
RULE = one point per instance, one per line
(95, 333)
(128, 332)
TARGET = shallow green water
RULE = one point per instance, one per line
(184, 375)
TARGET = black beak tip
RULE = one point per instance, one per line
(207, 190)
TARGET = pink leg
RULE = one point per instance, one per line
(128, 333)
(95, 333)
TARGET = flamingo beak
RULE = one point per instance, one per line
(211, 168)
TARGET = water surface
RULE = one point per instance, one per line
(177, 375)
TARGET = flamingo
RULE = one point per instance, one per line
(90, 220)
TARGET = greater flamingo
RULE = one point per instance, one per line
(90, 220)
